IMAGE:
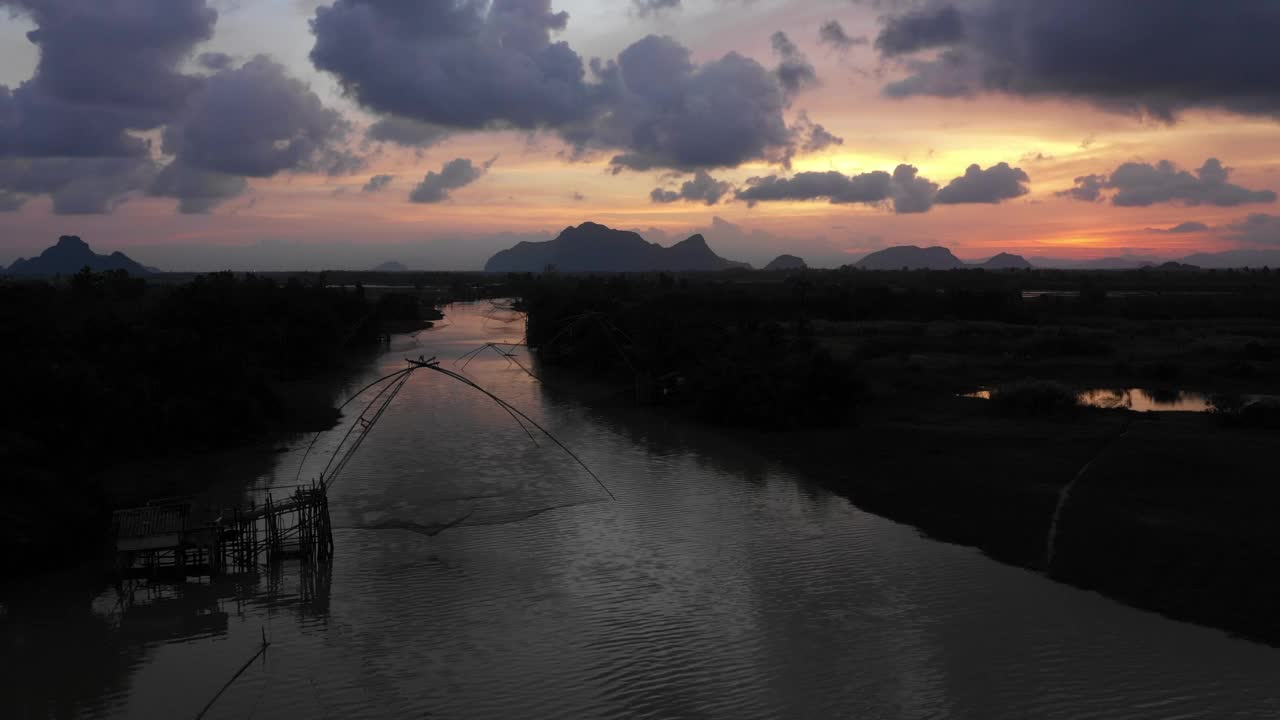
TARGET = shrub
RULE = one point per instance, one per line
(1235, 411)
(1035, 397)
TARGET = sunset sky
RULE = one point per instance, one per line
(200, 134)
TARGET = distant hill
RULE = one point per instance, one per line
(1215, 260)
(786, 262)
(71, 255)
(595, 248)
(1006, 261)
(1120, 262)
(390, 266)
(1234, 259)
(1172, 267)
(912, 257)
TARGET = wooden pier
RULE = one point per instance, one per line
(170, 538)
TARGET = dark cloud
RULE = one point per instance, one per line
(110, 67)
(462, 64)
(666, 112)
(197, 190)
(702, 188)
(912, 193)
(838, 188)
(256, 121)
(77, 186)
(406, 132)
(818, 138)
(105, 67)
(794, 70)
(652, 7)
(905, 189)
(250, 121)
(1158, 57)
(993, 185)
(1143, 184)
(435, 187)
(480, 65)
(907, 192)
(378, 182)
(924, 29)
(810, 137)
(1257, 229)
(832, 33)
(215, 60)
(11, 202)
(1183, 228)
(1088, 188)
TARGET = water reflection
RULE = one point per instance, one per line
(1141, 400)
(1148, 400)
(718, 585)
(72, 650)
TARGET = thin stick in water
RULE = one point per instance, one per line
(239, 672)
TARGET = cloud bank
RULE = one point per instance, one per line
(455, 174)
(1144, 184)
(110, 69)
(904, 190)
(1155, 57)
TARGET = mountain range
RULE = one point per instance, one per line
(940, 258)
(69, 256)
(595, 248)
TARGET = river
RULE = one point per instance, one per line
(717, 585)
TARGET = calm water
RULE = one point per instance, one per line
(718, 585)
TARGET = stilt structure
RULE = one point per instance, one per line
(171, 539)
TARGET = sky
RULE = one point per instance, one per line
(305, 134)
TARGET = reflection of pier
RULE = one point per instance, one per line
(171, 539)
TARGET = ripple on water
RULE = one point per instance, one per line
(717, 586)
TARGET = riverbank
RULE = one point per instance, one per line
(116, 381)
(1169, 512)
(1172, 513)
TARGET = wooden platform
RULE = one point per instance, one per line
(168, 538)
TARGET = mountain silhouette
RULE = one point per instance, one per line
(70, 255)
(1172, 266)
(595, 248)
(786, 262)
(1006, 261)
(390, 266)
(1234, 259)
(911, 257)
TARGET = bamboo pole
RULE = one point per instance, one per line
(261, 650)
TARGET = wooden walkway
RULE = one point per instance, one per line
(169, 538)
